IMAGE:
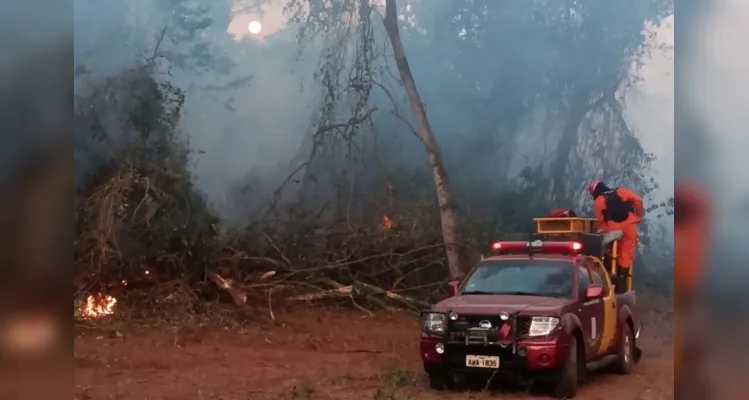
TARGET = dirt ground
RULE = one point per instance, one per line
(311, 354)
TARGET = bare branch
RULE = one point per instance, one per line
(151, 60)
(351, 122)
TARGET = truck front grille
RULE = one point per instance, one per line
(466, 324)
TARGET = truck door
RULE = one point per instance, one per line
(591, 313)
(608, 323)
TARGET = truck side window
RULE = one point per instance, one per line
(599, 279)
(583, 280)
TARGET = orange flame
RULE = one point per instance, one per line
(98, 305)
(387, 223)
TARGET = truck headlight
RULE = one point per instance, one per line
(543, 326)
(433, 322)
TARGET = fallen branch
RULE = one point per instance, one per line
(270, 307)
(407, 300)
(343, 291)
(340, 265)
(239, 297)
(359, 289)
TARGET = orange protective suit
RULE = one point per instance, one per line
(628, 242)
(691, 228)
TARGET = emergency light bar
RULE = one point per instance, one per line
(537, 246)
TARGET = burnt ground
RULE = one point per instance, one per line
(311, 354)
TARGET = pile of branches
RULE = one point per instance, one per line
(141, 224)
(130, 226)
(386, 260)
(137, 213)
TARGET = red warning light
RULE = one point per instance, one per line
(538, 246)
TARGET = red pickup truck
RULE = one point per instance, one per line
(548, 314)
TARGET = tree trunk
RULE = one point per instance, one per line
(574, 117)
(424, 130)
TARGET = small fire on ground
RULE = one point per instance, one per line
(387, 223)
(98, 305)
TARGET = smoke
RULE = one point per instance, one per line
(713, 149)
(247, 139)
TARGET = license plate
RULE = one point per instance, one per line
(482, 361)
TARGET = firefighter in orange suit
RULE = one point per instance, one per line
(691, 229)
(618, 209)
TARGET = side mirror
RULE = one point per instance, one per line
(452, 288)
(594, 292)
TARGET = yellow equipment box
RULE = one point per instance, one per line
(565, 225)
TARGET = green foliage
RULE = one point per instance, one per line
(198, 43)
(549, 56)
(138, 207)
(131, 109)
(549, 49)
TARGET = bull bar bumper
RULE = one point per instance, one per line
(529, 356)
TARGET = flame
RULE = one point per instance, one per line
(387, 223)
(98, 305)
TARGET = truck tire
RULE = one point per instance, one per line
(440, 380)
(626, 352)
(565, 384)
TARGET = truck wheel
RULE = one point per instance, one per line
(626, 352)
(441, 380)
(565, 385)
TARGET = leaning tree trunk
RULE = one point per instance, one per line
(424, 131)
(579, 107)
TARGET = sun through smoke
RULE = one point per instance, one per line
(255, 27)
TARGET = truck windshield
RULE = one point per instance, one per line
(521, 277)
